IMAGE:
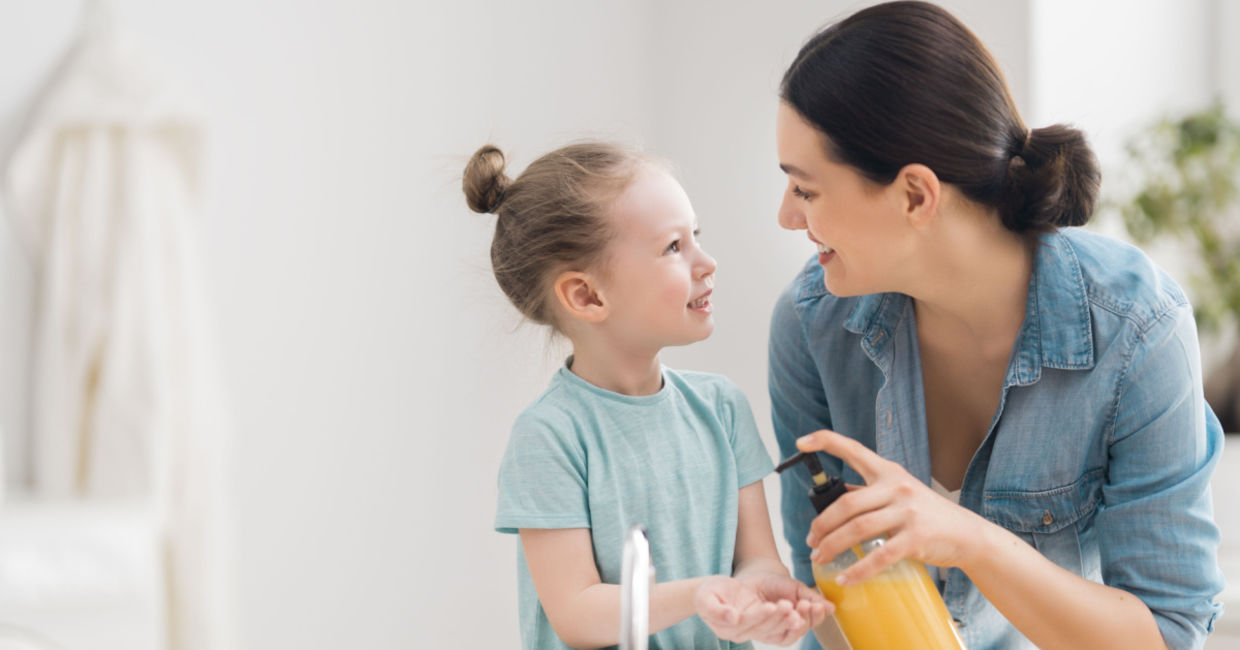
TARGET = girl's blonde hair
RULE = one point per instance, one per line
(551, 219)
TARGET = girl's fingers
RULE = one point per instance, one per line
(774, 623)
(859, 457)
(754, 618)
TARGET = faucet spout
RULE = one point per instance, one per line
(636, 577)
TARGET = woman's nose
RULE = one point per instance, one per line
(790, 215)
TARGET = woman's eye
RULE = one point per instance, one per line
(799, 193)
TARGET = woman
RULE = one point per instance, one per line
(1021, 400)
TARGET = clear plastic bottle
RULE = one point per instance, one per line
(897, 609)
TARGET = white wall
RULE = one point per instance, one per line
(1113, 67)
(373, 366)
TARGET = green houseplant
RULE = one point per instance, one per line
(1187, 187)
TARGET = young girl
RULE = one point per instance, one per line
(600, 244)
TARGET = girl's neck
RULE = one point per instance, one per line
(616, 370)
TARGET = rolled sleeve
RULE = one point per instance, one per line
(1158, 539)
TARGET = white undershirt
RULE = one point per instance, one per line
(950, 495)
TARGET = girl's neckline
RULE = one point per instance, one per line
(573, 379)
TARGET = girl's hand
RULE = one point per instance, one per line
(919, 523)
(763, 607)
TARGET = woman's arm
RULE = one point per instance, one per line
(1052, 606)
(584, 612)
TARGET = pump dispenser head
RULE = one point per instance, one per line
(826, 488)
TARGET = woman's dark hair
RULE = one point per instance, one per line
(552, 218)
(906, 82)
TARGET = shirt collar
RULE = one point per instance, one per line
(1057, 332)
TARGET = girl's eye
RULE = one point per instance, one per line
(673, 247)
(799, 193)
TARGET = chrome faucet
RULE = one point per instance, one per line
(636, 578)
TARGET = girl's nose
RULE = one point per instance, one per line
(706, 265)
(790, 215)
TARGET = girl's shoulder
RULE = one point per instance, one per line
(707, 384)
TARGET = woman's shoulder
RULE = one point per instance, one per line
(1122, 279)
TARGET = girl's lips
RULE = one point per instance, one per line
(702, 303)
(823, 258)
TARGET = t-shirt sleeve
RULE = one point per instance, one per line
(752, 460)
(542, 478)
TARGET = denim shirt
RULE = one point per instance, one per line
(1099, 455)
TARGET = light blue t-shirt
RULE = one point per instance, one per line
(584, 457)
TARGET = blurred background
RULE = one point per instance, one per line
(326, 370)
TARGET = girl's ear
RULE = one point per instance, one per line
(920, 192)
(579, 296)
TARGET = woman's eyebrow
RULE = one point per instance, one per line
(792, 171)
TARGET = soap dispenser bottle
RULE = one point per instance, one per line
(897, 609)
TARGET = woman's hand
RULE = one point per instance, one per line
(919, 523)
(764, 607)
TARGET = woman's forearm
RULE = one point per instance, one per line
(1051, 606)
(593, 620)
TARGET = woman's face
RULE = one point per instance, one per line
(859, 226)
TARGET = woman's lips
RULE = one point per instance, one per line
(825, 253)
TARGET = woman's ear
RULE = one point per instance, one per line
(579, 296)
(920, 192)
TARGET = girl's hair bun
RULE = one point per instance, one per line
(484, 181)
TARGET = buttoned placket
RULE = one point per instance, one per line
(891, 344)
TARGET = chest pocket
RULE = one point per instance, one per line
(1050, 520)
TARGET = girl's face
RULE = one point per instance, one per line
(857, 224)
(658, 280)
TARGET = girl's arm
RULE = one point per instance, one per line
(584, 612)
(761, 601)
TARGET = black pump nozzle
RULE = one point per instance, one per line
(826, 488)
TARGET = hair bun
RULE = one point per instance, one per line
(484, 180)
(1052, 182)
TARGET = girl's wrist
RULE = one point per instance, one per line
(760, 565)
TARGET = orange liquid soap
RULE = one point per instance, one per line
(897, 609)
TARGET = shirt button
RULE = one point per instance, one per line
(1047, 518)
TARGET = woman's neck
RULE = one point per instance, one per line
(973, 283)
(612, 368)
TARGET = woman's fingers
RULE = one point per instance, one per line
(859, 457)
(856, 530)
(893, 550)
(851, 504)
